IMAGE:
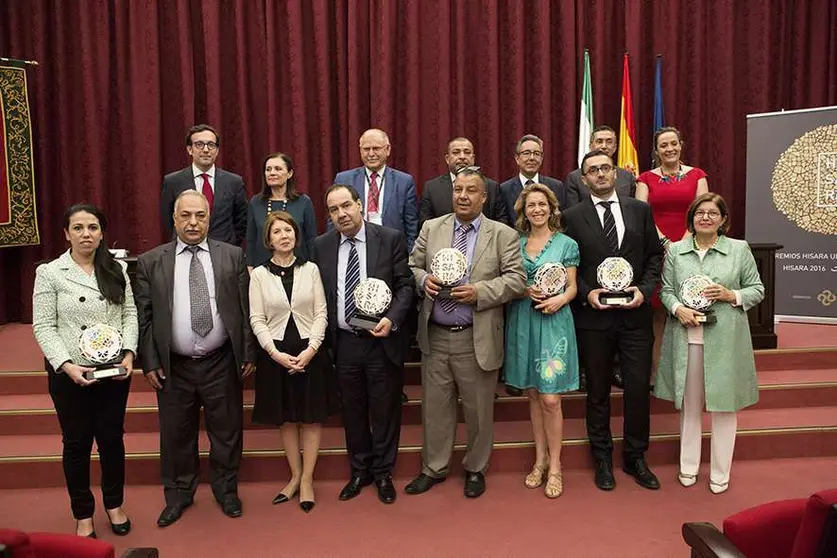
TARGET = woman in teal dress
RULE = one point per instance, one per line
(541, 352)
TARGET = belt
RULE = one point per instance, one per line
(356, 333)
(201, 357)
(453, 328)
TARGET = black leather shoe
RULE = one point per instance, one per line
(121, 529)
(281, 498)
(639, 470)
(513, 391)
(422, 484)
(306, 505)
(354, 487)
(92, 535)
(231, 506)
(172, 513)
(604, 475)
(386, 491)
(474, 484)
(617, 379)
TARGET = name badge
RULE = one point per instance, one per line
(376, 219)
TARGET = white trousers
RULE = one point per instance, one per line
(724, 425)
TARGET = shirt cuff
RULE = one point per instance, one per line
(737, 298)
(674, 308)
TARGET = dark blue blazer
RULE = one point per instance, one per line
(400, 210)
(511, 188)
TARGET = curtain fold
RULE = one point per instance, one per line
(120, 83)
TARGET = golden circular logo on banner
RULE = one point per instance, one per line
(804, 183)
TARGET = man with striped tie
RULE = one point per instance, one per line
(370, 364)
(461, 335)
(604, 225)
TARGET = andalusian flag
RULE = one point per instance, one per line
(585, 120)
(627, 157)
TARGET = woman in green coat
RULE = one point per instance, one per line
(711, 364)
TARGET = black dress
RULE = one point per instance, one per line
(308, 397)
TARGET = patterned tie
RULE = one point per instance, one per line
(461, 244)
(207, 190)
(352, 279)
(529, 182)
(610, 227)
(199, 305)
(372, 197)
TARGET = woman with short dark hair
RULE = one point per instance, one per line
(87, 288)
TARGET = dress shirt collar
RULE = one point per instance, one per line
(452, 177)
(181, 246)
(197, 172)
(360, 236)
(457, 224)
(612, 198)
(535, 179)
(379, 171)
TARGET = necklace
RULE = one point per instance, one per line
(697, 246)
(271, 208)
(671, 176)
(283, 269)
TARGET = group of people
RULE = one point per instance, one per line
(205, 314)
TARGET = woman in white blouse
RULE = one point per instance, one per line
(86, 287)
(296, 387)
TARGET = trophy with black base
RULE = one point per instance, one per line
(101, 344)
(691, 296)
(550, 279)
(615, 275)
(449, 266)
(372, 298)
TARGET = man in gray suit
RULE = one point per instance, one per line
(196, 345)
(461, 338)
(224, 190)
(603, 138)
(436, 196)
(528, 154)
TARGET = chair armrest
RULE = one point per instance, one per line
(706, 541)
(141, 553)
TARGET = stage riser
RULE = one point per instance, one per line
(506, 409)
(145, 470)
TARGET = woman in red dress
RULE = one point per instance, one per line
(669, 189)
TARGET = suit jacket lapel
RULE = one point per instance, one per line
(330, 266)
(447, 193)
(486, 232)
(628, 220)
(360, 186)
(389, 199)
(591, 215)
(220, 187)
(373, 249)
(169, 253)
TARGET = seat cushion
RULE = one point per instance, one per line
(17, 542)
(768, 530)
(813, 521)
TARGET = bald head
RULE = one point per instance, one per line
(374, 149)
(191, 217)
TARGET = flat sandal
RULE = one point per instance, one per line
(536, 477)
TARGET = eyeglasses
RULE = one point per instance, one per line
(712, 214)
(593, 171)
(201, 145)
(528, 153)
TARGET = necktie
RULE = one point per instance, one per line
(199, 306)
(460, 242)
(610, 227)
(207, 190)
(352, 279)
(529, 182)
(372, 197)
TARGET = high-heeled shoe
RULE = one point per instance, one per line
(281, 498)
(119, 529)
(535, 478)
(306, 505)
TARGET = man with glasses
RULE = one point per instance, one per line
(528, 155)
(437, 195)
(388, 196)
(607, 224)
(224, 190)
(603, 138)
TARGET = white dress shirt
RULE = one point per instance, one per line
(615, 208)
(342, 264)
(374, 218)
(196, 172)
(184, 341)
(535, 179)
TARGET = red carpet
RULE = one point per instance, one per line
(508, 520)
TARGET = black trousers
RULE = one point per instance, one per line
(597, 351)
(213, 383)
(370, 391)
(86, 413)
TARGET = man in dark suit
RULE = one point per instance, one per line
(437, 195)
(610, 225)
(224, 190)
(528, 155)
(603, 138)
(370, 364)
(389, 195)
(196, 346)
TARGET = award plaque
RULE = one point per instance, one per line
(691, 295)
(449, 266)
(614, 275)
(372, 298)
(550, 279)
(102, 345)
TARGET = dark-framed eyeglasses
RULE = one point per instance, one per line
(201, 145)
(605, 169)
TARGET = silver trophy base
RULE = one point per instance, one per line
(615, 298)
(708, 318)
(364, 321)
(107, 371)
(445, 292)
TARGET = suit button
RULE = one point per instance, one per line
(81, 299)
(83, 328)
(101, 297)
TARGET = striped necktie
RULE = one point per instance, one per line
(352, 280)
(610, 227)
(461, 244)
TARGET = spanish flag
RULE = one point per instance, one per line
(627, 157)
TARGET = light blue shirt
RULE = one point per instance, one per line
(184, 341)
(464, 313)
(342, 264)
